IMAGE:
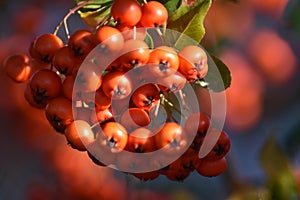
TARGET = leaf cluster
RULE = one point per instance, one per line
(186, 18)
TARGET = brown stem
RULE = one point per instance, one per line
(105, 21)
(157, 109)
(64, 20)
(185, 106)
(164, 27)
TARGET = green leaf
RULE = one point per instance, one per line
(272, 158)
(93, 18)
(282, 186)
(149, 40)
(178, 40)
(218, 77)
(189, 20)
(171, 5)
(281, 183)
(292, 16)
(95, 11)
(249, 193)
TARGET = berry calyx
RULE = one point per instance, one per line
(45, 47)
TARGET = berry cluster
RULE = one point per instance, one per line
(107, 91)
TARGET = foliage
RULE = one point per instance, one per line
(188, 20)
(281, 183)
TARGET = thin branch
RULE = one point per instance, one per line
(64, 21)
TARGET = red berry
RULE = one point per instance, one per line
(211, 168)
(18, 68)
(59, 113)
(45, 84)
(45, 47)
(116, 85)
(127, 12)
(81, 42)
(153, 14)
(79, 135)
(110, 39)
(193, 62)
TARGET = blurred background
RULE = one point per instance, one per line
(258, 40)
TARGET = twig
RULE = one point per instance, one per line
(185, 106)
(105, 21)
(164, 27)
(157, 108)
(64, 21)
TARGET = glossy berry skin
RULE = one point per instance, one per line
(110, 39)
(172, 137)
(126, 12)
(141, 140)
(146, 96)
(59, 113)
(45, 47)
(45, 84)
(97, 100)
(164, 61)
(135, 53)
(189, 159)
(18, 67)
(64, 61)
(198, 122)
(153, 14)
(79, 135)
(102, 115)
(133, 118)
(116, 85)
(146, 176)
(31, 99)
(181, 168)
(87, 79)
(67, 87)
(196, 127)
(221, 148)
(172, 83)
(37, 65)
(102, 102)
(193, 63)
(81, 42)
(113, 137)
(33, 52)
(211, 168)
(175, 171)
